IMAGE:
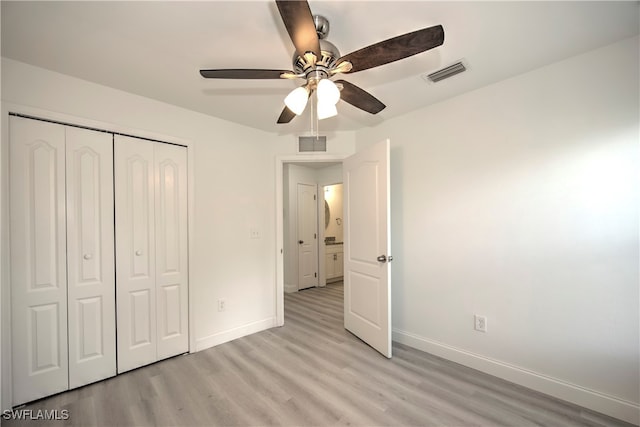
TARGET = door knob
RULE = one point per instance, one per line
(138, 253)
(87, 256)
(382, 258)
(300, 241)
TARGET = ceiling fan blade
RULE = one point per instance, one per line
(298, 19)
(394, 49)
(243, 74)
(360, 98)
(286, 116)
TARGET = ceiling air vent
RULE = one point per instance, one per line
(308, 144)
(445, 73)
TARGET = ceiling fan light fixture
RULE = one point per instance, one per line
(317, 60)
(328, 92)
(326, 110)
(296, 101)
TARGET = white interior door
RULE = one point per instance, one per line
(38, 259)
(367, 278)
(307, 236)
(90, 263)
(135, 252)
(171, 249)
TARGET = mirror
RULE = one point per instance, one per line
(327, 215)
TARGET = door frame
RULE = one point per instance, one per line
(280, 162)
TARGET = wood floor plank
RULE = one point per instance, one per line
(310, 372)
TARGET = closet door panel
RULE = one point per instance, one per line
(90, 248)
(172, 252)
(135, 252)
(38, 259)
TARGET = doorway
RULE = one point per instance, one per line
(304, 234)
(367, 290)
(333, 234)
(282, 233)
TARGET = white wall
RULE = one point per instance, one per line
(519, 201)
(331, 174)
(232, 184)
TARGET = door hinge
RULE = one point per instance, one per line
(315, 274)
(314, 236)
(314, 197)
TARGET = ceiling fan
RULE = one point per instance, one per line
(317, 60)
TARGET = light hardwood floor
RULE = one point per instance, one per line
(310, 372)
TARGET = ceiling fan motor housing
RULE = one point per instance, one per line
(318, 67)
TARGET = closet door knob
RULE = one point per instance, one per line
(138, 253)
(87, 256)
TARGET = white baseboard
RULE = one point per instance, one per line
(232, 334)
(591, 399)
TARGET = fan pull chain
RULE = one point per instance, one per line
(311, 116)
(316, 115)
(317, 128)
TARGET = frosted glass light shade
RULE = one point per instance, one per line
(326, 110)
(297, 100)
(328, 92)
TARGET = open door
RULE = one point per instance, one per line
(367, 275)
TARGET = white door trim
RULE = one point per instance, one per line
(280, 161)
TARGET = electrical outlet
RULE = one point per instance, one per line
(254, 233)
(222, 304)
(480, 323)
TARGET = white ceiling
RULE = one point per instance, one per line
(155, 49)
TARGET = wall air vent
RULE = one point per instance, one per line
(308, 144)
(445, 73)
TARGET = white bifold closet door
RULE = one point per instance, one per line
(151, 251)
(90, 264)
(62, 269)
